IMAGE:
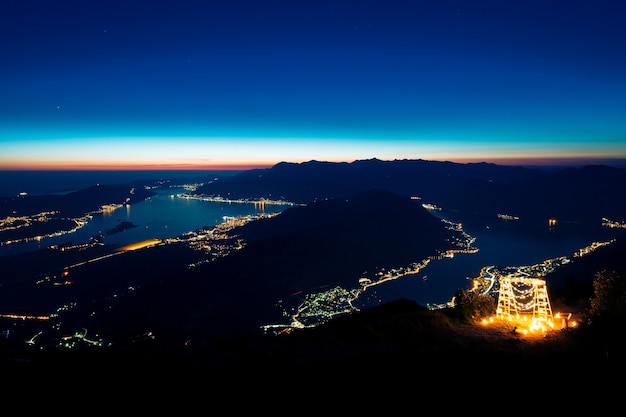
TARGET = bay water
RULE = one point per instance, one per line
(166, 215)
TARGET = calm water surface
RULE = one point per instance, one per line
(438, 281)
(161, 216)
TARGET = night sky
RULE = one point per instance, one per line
(236, 84)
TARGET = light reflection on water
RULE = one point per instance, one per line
(440, 279)
(162, 216)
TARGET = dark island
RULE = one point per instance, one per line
(121, 227)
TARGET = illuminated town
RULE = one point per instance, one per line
(18, 222)
(260, 202)
(318, 307)
(613, 224)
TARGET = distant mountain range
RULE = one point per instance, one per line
(480, 191)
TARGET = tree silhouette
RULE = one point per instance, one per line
(609, 299)
(471, 305)
(607, 313)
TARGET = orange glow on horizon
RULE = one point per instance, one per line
(80, 166)
(51, 165)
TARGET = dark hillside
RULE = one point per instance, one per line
(337, 242)
(73, 204)
(396, 338)
(572, 195)
(304, 250)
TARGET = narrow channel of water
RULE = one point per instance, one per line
(438, 281)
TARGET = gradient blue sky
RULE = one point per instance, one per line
(219, 84)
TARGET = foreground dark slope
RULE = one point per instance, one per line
(396, 338)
